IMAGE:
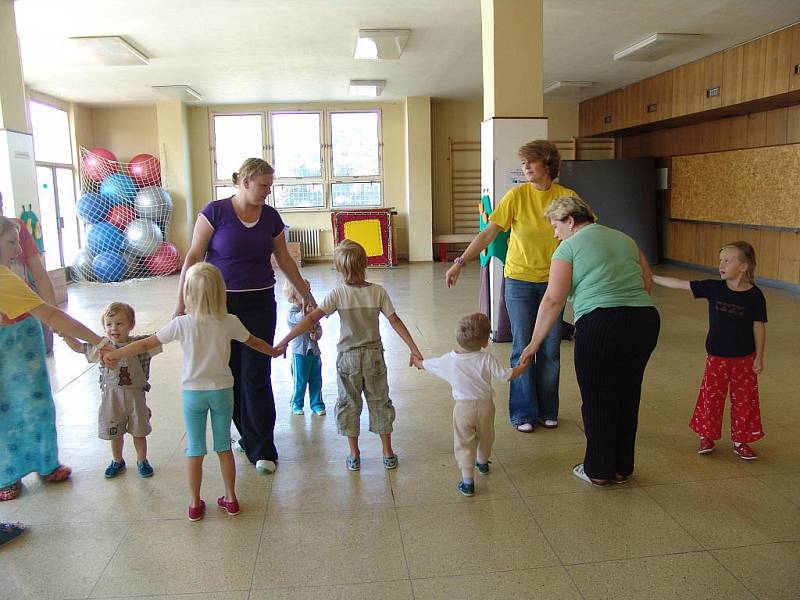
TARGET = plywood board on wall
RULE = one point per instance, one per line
(758, 186)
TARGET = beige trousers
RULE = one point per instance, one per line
(473, 432)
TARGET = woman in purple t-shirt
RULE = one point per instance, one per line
(239, 235)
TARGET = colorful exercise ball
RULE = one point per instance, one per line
(92, 208)
(82, 265)
(145, 170)
(133, 265)
(153, 203)
(120, 215)
(99, 162)
(118, 189)
(103, 237)
(165, 260)
(143, 237)
(109, 266)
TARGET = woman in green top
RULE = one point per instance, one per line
(607, 279)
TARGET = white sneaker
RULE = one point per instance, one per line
(525, 427)
(550, 423)
(266, 466)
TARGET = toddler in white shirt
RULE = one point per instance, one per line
(469, 372)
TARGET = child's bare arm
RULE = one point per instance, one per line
(760, 333)
(519, 369)
(74, 343)
(672, 282)
(132, 349)
(307, 323)
(401, 329)
(260, 345)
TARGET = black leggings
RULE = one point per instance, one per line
(612, 347)
(253, 402)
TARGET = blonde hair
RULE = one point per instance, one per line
(252, 167)
(544, 151)
(118, 307)
(747, 254)
(350, 259)
(204, 291)
(7, 225)
(291, 294)
(570, 206)
(473, 331)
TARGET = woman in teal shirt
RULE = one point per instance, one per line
(607, 279)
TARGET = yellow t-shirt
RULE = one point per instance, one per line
(16, 298)
(531, 243)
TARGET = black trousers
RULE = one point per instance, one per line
(612, 347)
(253, 402)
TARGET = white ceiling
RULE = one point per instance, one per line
(256, 51)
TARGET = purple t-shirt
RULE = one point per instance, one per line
(242, 253)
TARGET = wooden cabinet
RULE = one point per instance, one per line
(688, 93)
(754, 61)
(732, 61)
(614, 111)
(794, 75)
(656, 98)
(713, 68)
(778, 56)
(590, 116)
(632, 113)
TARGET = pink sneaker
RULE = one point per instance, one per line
(706, 445)
(196, 512)
(232, 507)
(744, 452)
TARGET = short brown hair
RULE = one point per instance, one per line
(473, 331)
(350, 259)
(252, 167)
(544, 151)
(748, 255)
(118, 307)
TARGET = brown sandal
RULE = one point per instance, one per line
(62, 473)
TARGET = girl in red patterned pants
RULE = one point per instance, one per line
(737, 314)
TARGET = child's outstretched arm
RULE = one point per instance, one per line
(132, 349)
(401, 329)
(520, 369)
(256, 343)
(672, 282)
(760, 333)
(74, 343)
(307, 323)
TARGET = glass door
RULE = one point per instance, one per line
(58, 218)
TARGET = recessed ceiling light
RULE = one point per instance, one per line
(177, 92)
(655, 46)
(111, 50)
(566, 88)
(384, 44)
(366, 87)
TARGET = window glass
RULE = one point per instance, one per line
(236, 138)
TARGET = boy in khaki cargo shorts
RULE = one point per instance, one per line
(360, 366)
(123, 408)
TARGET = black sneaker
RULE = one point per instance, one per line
(466, 489)
(483, 468)
(10, 531)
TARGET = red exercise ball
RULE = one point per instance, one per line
(145, 170)
(165, 260)
(99, 162)
(120, 215)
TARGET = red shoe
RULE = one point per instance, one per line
(232, 507)
(196, 512)
(706, 446)
(744, 451)
(10, 492)
(61, 473)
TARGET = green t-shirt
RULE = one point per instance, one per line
(606, 271)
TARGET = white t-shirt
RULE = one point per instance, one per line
(206, 344)
(358, 308)
(470, 374)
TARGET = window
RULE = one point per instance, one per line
(51, 139)
(322, 159)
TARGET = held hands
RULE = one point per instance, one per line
(528, 354)
(415, 360)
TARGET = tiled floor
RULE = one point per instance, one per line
(688, 526)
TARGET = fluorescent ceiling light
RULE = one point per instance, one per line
(366, 87)
(385, 44)
(177, 92)
(655, 46)
(111, 50)
(566, 88)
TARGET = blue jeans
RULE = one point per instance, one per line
(533, 396)
(307, 371)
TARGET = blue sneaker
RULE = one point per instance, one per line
(466, 489)
(483, 468)
(353, 463)
(145, 469)
(115, 468)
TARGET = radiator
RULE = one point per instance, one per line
(309, 238)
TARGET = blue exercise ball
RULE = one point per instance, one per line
(118, 189)
(92, 208)
(104, 237)
(109, 266)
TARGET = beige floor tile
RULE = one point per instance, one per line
(678, 576)
(468, 538)
(568, 432)
(778, 451)
(58, 561)
(241, 595)
(545, 469)
(433, 479)
(771, 571)
(318, 549)
(552, 583)
(787, 484)
(385, 590)
(171, 557)
(608, 524)
(730, 512)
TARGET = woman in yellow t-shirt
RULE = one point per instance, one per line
(27, 412)
(533, 396)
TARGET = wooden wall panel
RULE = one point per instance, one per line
(776, 127)
(756, 129)
(789, 260)
(794, 78)
(768, 253)
(753, 65)
(732, 62)
(793, 124)
(713, 68)
(778, 57)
